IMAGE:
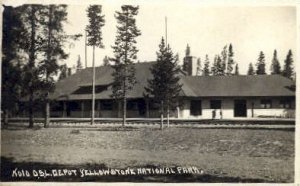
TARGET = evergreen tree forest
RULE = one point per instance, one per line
(224, 64)
(33, 40)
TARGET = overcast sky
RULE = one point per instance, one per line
(207, 29)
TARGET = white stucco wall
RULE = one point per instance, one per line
(227, 109)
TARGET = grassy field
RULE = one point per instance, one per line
(224, 155)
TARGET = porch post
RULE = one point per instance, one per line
(147, 108)
(23, 112)
(178, 111)
(252, 109)
(64, 109)
(119, 108)
(82, 109)
(99, 108)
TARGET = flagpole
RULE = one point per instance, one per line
(166, 29)
(93, 84)
(85, 48)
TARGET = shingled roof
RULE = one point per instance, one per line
(66, 89)
(234, 86)
(78, 85)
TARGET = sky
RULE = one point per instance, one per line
(207, 29)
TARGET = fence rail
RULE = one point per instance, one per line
(176, 121)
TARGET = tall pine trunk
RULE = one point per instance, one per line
(31, 64)
(93, 93)
(5, 117)
(47, 104)
(161, 115)
(30, 109)
(124, 111)
(168, 116)
(47, 113)
(124, 99)
(119, 108)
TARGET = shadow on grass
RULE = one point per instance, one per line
(288, 129)
(20, 127)
(8, 166)
(115, 128)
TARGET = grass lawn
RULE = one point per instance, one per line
(232, 155)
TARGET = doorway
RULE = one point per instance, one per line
(240, 108)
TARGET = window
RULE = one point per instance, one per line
(285, 103)
(215, 104)
(106, 104)
(265, 103)
(89, 89)
(196, 108)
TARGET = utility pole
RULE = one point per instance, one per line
(93, 94)
(166, 29)
(85, 48)
(168, 109)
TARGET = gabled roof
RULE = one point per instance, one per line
(66, 88)
(75, 86)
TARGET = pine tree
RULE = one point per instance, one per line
(53, 40)
(230, 61)
(42, 42)
(63, 72)
(31, 17)
(223, 61)
(288, 70)
(106, 61)
(275, 66)
(94, 37)
(214, 66)
(199, 67)
(79, 64)
(188, 50)
(69, 71)
(125, 54)
(217, 68)
(13, 32)
(236, 72)
(187, 54)
(165, 87)
(250, 69)
(261, 64)
(206, 71)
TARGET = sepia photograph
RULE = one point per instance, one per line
(148, 92)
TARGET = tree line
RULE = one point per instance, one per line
(224, 64)
(275, 68)
(33, 40)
